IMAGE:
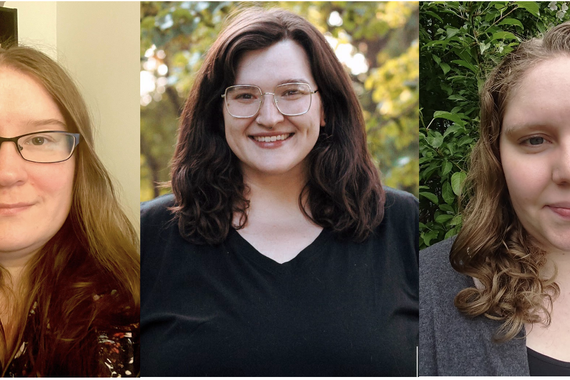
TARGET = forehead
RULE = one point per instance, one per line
(23, 100)
(542, 94)
(283, 61)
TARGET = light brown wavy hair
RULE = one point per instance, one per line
(343, 191)
(492, 245)
(95, 253)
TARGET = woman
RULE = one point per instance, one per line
(69, 267)
(505, 309)
(279, 252)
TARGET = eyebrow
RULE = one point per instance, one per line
(515, 129)
(43, 122)
(293, 80)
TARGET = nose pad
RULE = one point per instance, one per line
(11, 164)
(269, 114)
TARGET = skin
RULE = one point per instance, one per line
(282, 62)
(535, 154)
(275, 172)
(35, 198)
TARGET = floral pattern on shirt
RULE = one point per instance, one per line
(118, 352)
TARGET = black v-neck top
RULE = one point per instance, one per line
(337, 309)
(542, 365)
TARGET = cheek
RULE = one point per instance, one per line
(526, 178)
(55, 186)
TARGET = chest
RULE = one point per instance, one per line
(553, 340)
(239, 313)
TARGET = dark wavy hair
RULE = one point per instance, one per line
(93, 257)
(343, 191)
(492, 245)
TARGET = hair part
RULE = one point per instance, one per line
(343, 191)
(94, 253)
(492, 245)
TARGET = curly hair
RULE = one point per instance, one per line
(493, 246)
(343, 190)
(94, 253)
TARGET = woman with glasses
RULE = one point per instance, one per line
(279, 252)
(503, 305)
(69, 267)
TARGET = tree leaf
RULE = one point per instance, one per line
(466, 64)
(446, 168)
(451, 32)
(443, 218)
(447, 193)
(530, 6)
(502, 35)
(457, 180)
(511, 21)
(431, 196)
(448, 116)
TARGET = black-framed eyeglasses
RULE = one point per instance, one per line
(45, 147)
(291, 99)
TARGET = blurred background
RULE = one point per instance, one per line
(377, 42)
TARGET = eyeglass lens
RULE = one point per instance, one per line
(47, 147)
(291, 99)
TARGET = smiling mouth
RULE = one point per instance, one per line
(267, 139)
(561, 210)
(14, 208)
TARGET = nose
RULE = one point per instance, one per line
(12, 171)
(269, 115)
(561, 168)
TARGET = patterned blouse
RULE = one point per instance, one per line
(118, 352)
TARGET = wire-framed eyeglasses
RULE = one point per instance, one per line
(45, 147)
(291, 99)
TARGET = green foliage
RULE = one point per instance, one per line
(176, 35)
(460, 43)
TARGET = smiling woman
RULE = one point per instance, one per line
(280, 253)
(69, 291)
(503, 305)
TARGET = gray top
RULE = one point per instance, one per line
(452, 344)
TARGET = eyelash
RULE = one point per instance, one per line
(527, 141)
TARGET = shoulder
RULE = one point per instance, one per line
(157, 209)
(401, 210)
(400, 201)
(452, 344)
(435, 259)
(399, 227)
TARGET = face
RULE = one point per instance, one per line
(535, 153)
(34, 198)
(295, 136)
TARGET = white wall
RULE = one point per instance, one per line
(98, 43)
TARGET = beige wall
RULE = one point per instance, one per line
(98, 43)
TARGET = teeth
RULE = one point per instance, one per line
(270, 138)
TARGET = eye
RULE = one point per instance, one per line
(245, 96)
(291, 92)
(38, 140)
(534, 141)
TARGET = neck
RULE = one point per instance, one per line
(280, 188)
(560, 260)
(274, 196)
(14, 265)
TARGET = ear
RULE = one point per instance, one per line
(323, 121)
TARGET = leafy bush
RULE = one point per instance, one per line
(460, 42)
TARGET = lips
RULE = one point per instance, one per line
(562, 209)
(271, 138)
(13, 208)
